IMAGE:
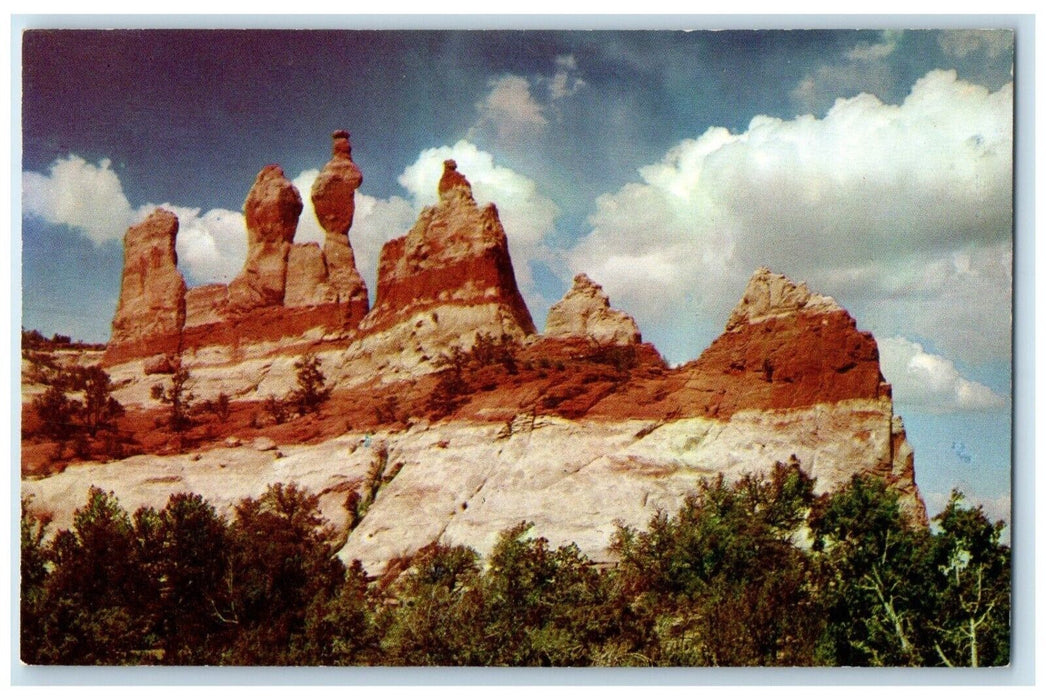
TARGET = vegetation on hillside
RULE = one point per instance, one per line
(758, 572)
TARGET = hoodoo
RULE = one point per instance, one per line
(334, 201)
(151, 310)
(272, 209)
(447, 280)
(286, 294)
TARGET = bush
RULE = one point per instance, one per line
(277, 408)
(55, 411)
(219, 407)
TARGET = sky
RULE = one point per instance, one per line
(876, 166)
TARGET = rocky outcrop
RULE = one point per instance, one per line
(449, 279)
(769, 295)
(787, 348)
(271, 209)
(286, 295)
(151, 311)
(334, 190)
(585, 313)
(334, 201)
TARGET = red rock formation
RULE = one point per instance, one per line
(455, 255)
(272, 209)
(334, 191)
(452, 179)
(151, 310)
(585, 312)
(334, 200)
(205, 304)
(307, 277)
(785, 348)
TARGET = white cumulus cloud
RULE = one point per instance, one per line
(931, 382)
(510, 109)
(81, 195)
(902, 210)
(516, 108)
(377, 221)
(211, 246)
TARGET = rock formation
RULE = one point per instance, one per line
(287, 294)
(787, 348)
(448, 279)
(334, 200)
(770, 295)
(151, 310)
(271, 209)
(585, 313)
(334, 191)
(575, 430)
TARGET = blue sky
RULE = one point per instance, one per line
(877, 166)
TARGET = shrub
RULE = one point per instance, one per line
(219, 407)
(277, 408)
(56, 411)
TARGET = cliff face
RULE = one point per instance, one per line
(575, 429)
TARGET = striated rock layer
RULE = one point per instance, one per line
(581, 428)
(151, 311)
(447, 280)
(456, 254)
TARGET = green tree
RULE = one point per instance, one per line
(312, 389)
(341, 628)
(179, 397)
(722, 582)
(55, 411)
(185, 547)
(33, 572)
(89, 611)
(437, 615)
(876, 578)
(281, 557)
(100, 409)
(971, 622)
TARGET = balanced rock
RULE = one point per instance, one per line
(334, 200)
(585, 312)
(151, 311)
(272, 209)
(334, 191)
